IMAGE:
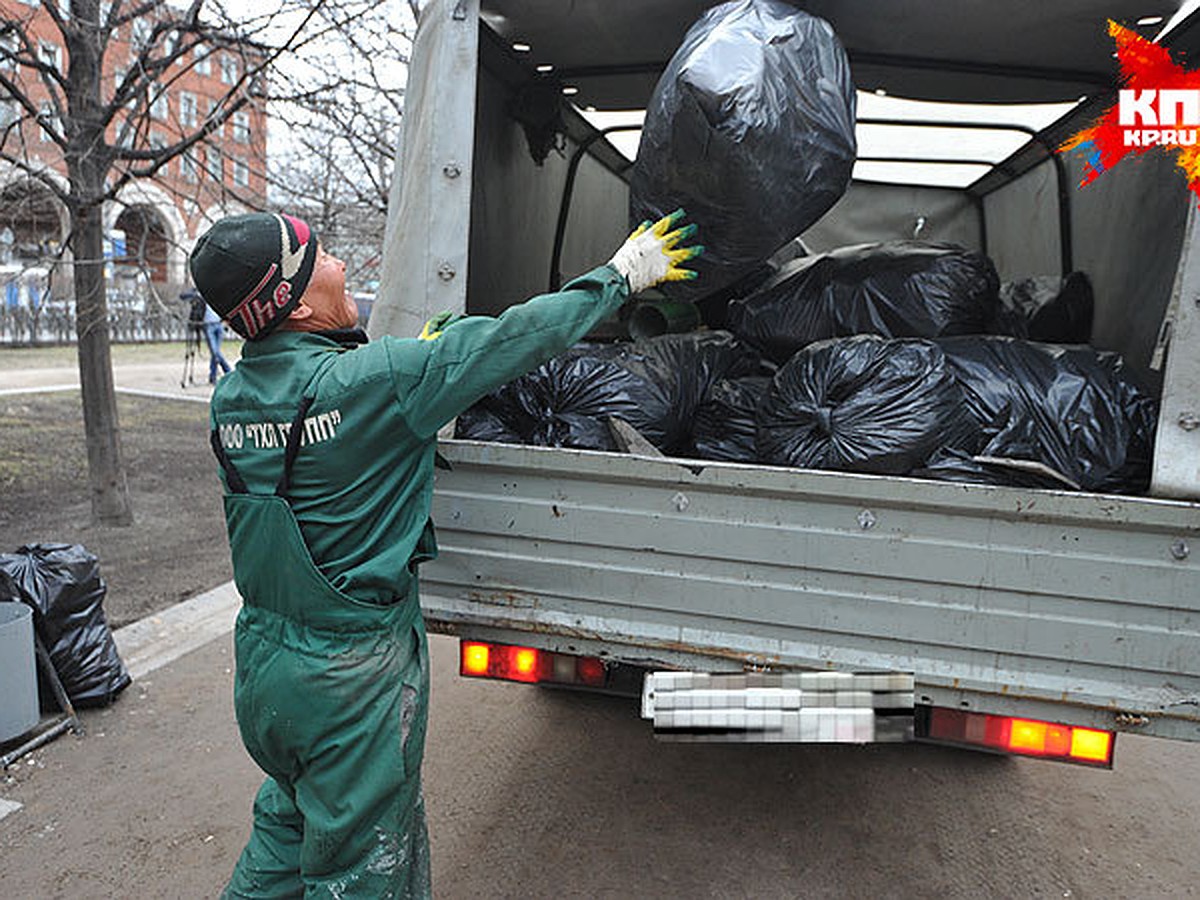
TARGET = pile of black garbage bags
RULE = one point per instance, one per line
(63, 586)
(976, 408)
(900, 358)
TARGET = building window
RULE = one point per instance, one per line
(48, 122)
(50, 54)
(203, 62)
(188, 170)
(241, 127)
(241, 173)
(8, 50)
(142, 29)
(229, 69)
(187, 109)
(160, 108)
(216, 165)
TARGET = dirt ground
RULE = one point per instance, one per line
(176, 547)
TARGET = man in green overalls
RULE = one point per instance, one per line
(326, 445)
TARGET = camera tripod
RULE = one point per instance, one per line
(191, 344)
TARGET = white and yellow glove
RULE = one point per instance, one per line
(649, 256)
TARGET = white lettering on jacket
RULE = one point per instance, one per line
(273, 435)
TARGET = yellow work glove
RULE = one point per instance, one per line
(439, 323)
(649, 256)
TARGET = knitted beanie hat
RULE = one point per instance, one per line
(252, 269)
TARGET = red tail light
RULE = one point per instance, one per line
(1025, 737)
(506, 662)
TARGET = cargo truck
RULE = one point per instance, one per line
(747, 602)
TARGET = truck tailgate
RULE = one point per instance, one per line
(1077, 608)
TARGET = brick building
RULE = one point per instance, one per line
(159, 216)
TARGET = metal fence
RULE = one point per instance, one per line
(22, 326)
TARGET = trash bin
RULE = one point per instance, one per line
(18, 672)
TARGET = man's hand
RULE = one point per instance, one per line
(649, 256)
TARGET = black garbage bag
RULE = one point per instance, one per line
(724, 424)
(1046, 308)
(955, 465)
(62, 583)
(565, 403)
(892, 289)
(863, 404)
(1074, 409)
(479, 423)
(751, 130)
(654, 385)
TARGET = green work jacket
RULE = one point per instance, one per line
(362, 482)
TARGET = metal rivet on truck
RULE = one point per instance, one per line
(1180, 549)
(1189, 421)
(446, 271)
(866, 519)
(681, 501)
(451, 170)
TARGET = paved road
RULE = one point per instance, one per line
(159, 377)
(536, 793)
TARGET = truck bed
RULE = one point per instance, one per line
(1076, 608)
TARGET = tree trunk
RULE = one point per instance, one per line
(106, 468)
(88, 162)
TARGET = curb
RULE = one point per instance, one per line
(163, 637)
(136, 392)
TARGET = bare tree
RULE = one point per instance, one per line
(337, 166)
(102, 128)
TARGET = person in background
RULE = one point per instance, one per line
(203, 320)
(214, 330)
(326, 447)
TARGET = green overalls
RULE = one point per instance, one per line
(327, 459)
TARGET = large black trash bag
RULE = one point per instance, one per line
(62, 583)
(892, 289)
(1072, 408)
(1046, 308)
(863, 404)
(654, 385)
(751, 130)
(480, 423)
(724, 424)
(955, 465)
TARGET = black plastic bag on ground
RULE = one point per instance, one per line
(654, 385)
(891, 289)
(1073, 409)
(863, 404)
(62, 583)
(751, 130)
(1046, 308)
(724, 424)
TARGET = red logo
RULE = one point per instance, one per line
(1158, 106)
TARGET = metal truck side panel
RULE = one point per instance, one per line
(987, 594)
